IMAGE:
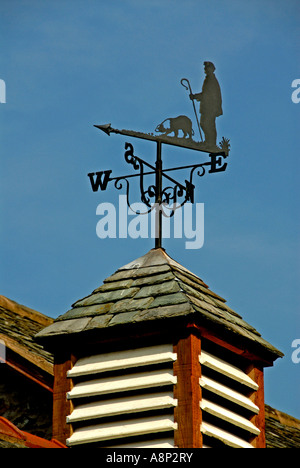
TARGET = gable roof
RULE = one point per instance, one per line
(154, 287)
(18, 326)
(282, 430)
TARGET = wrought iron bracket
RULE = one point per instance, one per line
(154, 196)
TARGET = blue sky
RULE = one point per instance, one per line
(70, 65)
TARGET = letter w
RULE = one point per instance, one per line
(100, 181)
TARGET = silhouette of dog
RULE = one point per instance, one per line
(181, 122)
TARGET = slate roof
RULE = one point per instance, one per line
(18, 326)
(282, 430)
(152, 287)
(26, 378)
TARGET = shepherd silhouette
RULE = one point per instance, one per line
(210, 105)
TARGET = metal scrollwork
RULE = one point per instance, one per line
(200, 171)
(177, 191)
(164, 200)
(119, 186)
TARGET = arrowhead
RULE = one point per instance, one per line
(105, 128)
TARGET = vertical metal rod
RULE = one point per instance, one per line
(158, 207)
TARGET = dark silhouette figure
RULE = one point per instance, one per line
(176, 124)
(210, 105)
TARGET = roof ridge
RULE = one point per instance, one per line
(24, 311)
(155, 257)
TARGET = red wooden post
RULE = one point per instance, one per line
(258, 399)
(61, 405)
(188, 392)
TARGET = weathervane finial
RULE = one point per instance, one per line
(173, 197)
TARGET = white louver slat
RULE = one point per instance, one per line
(122, 384)
(228, 393)
(122, 406)
(157, 443)
(224, 436)
(227, 409)
(101, 432)
(229, 416)
(125, 384)
(122, 360)
(227, 369)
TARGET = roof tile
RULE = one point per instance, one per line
(166, 287)
(153, 287)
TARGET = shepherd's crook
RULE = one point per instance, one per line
(189, 88)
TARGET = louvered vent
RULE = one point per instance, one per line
(124, 399)
(226, 406)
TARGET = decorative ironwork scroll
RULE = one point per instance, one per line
(154, 196)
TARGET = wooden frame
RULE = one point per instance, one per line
(21, 359)
(258, 398)
(187, 391)
(187, 368)
(62, 407)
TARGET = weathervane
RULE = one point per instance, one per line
(173, 196)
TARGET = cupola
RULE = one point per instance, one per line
(154, 358)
